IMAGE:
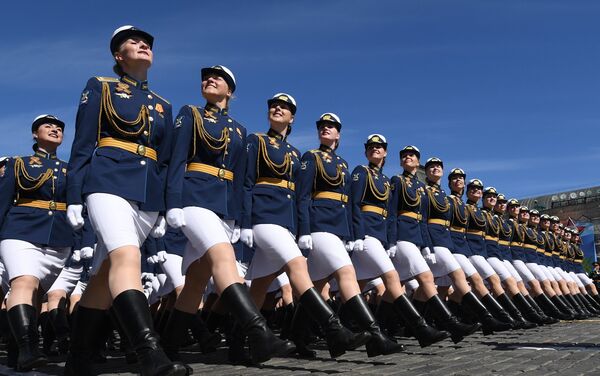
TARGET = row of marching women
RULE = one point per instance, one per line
(173, 231)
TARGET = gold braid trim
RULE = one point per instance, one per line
(283, 169)
(442, 208)
(479, 221)
(212, 143)
(495, 227)
(108, 110)
(20, 170)
(333, 181)
(506, 234)
(380, 196)
(408, 200)
(457, 214)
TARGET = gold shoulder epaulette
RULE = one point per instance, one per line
(314, 151)
(107, 79)
(160, 97)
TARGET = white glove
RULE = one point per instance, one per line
(305, 242)
(247, 237)
(162, 256)
(74, 216)
(147, 277)
(87, 253)
(176, 218)
(428, 255)
(235, 235)
(359, 245)
(152, 259)
(76, 256)
(392, 251)
(160, 228)
(349, 246)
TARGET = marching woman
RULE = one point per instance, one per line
(405, 212)
(117, 169)
(325, 222)
(204, 199)
(270, 224)
(370, 197)
(437, 213)
(36, 238)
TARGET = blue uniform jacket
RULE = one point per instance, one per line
(174, 241)
(530, 240)
(126, 110)
(324, 171)
(270, 159)
(370, 187)
(518, 237)
(476, 225)
(41, 176)
(210, 137)
(408, 194)
(458, 225)
(505, 235)
(492, 233)
(438, 209)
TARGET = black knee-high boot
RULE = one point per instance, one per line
(515, 313)
(47, 332)
(489, 323)
(540, 311)
(379, 344)
(86, 327)
(573, 303)
(425, 334)
(286, 322)
(131, 310)
(498, 311)
(339, 339)
(446, 321)
(60, 323)
(262, 342)
(585, 304)
(529, 312)
(174, 331)
(550, 309)
(207, 340)
(300, 332)
(563, 305)
(22, 319)
(592, 302)
(389, 321)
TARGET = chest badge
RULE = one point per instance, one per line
(209, 116)
(159, 108)
(122, 90)
(34, 161)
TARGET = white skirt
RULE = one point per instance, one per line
(373, 283)
(67, 279)
(79, 288)
(410, 286)
(482, 266)
(23, 258)
(204, 229)
(500, 268)
(465, 264)
(584, 279)
(523, 271)
(547, 272)
(511, 268)
(536, 271)
(577, 280)
(445, 262)
(328, 255)
(274, 247)
(172, 269)
(373, 261)
(555, 273)
(408, 260)
(281, 280)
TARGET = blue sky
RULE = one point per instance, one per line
(507, 90)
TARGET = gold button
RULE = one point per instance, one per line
(229, 121)
(150, 107)
(146, 133)
(150, 118)
(143, 163)
(230, 129)
(56, 169)
(289, 196)
(149, 96)
(141, 150)
(228, 139)
(343, 206)
(50, 212)
(57, 163)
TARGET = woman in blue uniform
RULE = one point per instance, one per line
(370, 198)
(270, 224)
(325, 223)
(438, 214)
(407, 212)
(204, 199)
(117, 167)
(35, 237)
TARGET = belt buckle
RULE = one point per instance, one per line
(290, 184)
(221, 173)
(52, 205)
(343, 197)
(141, 150)
(384, 213)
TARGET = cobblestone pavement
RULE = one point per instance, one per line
(567, 348)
